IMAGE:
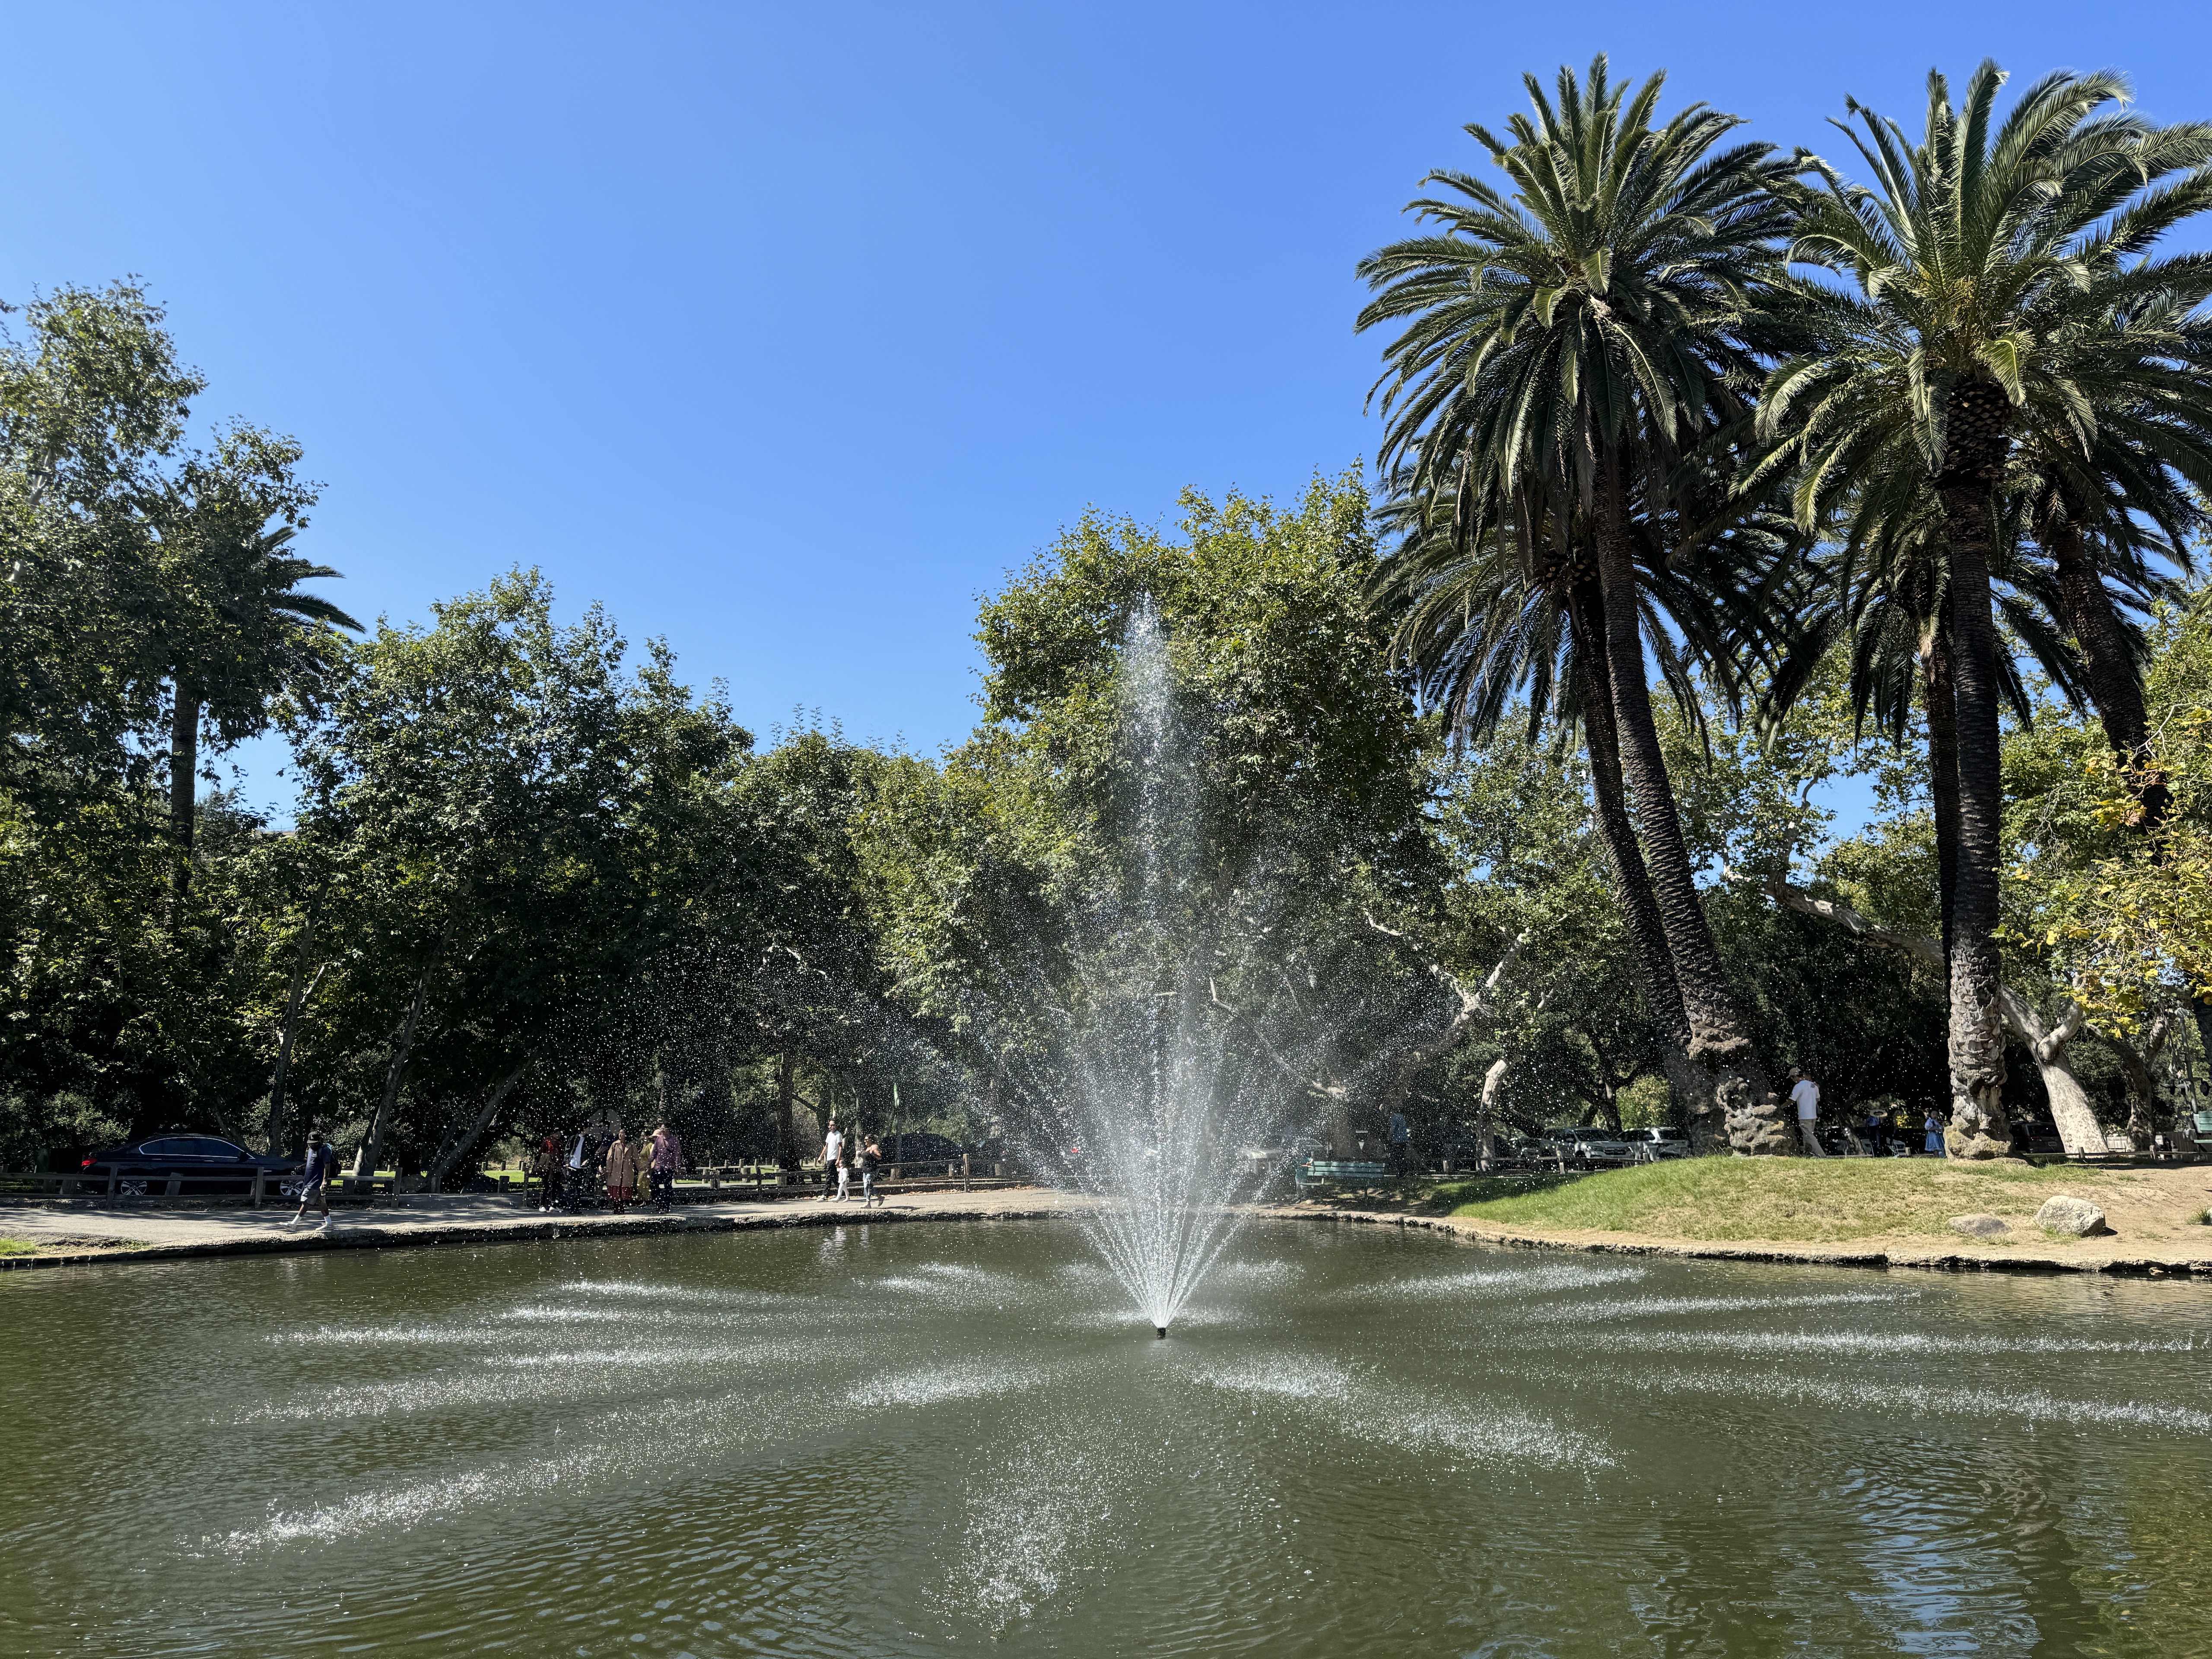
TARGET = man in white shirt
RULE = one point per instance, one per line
(832, 1145)
(1807, 1094)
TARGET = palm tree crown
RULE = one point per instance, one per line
(1567, 348)
(1997, 288)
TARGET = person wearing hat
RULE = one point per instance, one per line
(1807, 1094)
(315, 1179)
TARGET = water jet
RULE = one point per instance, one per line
(1163, 1089)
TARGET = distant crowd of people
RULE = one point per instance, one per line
(568, 1177)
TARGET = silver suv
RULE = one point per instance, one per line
(1645, 1145)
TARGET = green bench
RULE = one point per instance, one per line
(1339, 1172)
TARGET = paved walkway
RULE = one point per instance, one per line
(72, 1234)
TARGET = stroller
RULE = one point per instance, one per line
(584, 1173)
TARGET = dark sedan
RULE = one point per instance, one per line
(175, 1164)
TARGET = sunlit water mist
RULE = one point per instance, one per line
(1171, 1113)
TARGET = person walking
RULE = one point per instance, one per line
(833, 1157)
(845, 1161)
(1877, 1131)
(1807, 1094)
(871, 1156)
(1401, 1141)
(315, 1180)
(1933, 1125)
(668, 1159)
(621, 1172)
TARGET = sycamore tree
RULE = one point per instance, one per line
(2112, 908)
(518, 823)
(1018, 884)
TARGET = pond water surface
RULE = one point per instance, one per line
(923, 1440)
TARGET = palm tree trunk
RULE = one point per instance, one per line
(1974, 456)
(1692, 1087)
(1940, 692)
(1746, 1099)
(184, 784)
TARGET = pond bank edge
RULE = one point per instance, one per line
(478, 1234)
(1802, 1255)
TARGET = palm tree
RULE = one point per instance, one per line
(1589, 331)
(239, 632)
(1983, 270)
(1512, 618)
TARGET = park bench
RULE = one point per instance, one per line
(1339, 1172)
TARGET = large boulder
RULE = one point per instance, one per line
(1979, 1226)
(2064, 1213)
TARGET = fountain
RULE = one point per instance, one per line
(1164, 1093)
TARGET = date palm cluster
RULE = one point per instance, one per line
(1664, 404)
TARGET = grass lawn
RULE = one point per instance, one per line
(1813, 1201)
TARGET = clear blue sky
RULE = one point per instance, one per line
(788, 331)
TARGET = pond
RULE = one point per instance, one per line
(921, 1439)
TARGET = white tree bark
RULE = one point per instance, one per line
(1486, 1121)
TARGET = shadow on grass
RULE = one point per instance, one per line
(1444, 1196)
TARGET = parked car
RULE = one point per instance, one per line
(175, 1163)
(1586, 1144)
(1646, 1145)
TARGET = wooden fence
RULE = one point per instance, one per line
(266, 1187)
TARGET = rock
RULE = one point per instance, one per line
(1979, 1226)
(2066, 1214)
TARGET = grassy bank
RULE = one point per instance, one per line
(1798, 1200)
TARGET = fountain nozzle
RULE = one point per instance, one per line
(1161, 1331)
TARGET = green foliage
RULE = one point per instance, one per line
(2117, 910)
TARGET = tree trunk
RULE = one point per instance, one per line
(184, 785)
(1753, 1114)
(372, 1150)
(1939, 693)
(1485, 1116)
(2070, 1110)
(787, 1136)
(1693, 1088)
(2143, 1084)
(460, 1144)
(294, 999)
(2075, 1118)
(1976, 413)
